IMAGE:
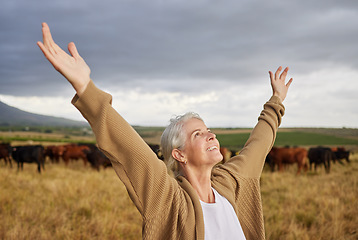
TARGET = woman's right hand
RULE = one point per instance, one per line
(73, 67)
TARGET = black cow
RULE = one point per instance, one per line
(5, 153)
(96, 158)
(320, 155)
(29, 154)
(270, 162)
(341, 153)
(156, 149)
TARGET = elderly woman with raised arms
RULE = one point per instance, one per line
(205, 200)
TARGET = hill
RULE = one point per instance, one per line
(11, 116)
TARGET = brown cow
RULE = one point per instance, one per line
(54, 152)
(286, 155)
(226, 154)
(73, 151)
(5, 152)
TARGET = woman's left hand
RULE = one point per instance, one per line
(278, 84)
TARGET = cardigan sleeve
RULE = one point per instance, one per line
(145, 176)
(250, 161)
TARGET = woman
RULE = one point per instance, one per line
(206, 199)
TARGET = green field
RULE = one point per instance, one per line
(291, 138)
(233, 139)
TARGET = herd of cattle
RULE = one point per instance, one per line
(277, 159)
(280, 157)
(314, 156)
(38, 154)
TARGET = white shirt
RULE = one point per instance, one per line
(220, 220)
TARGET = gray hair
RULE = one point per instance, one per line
(173, 137)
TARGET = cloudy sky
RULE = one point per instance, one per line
(162, 58)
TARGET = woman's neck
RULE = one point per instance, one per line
(201, 182)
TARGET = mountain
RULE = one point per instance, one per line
(11, 116)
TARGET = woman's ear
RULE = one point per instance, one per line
(178, 155)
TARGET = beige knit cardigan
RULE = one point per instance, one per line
(170, 207)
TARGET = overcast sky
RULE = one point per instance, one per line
(162, 58)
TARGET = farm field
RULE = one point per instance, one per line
(231, 138)
(77, 202)
(313, 205)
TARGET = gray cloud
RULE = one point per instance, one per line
(176, 46)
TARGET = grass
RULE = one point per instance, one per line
(233, 139)
(306, 138)
(65, 203)
(76, 202)
(312, 205)
(291, 138)
(26, 137)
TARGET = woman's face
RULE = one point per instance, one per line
(201, 146)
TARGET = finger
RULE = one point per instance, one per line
(41, 46)
(48, 40)
(46, 52)
(284, 73)
(43, 49)
(289, 83)
(277, 73)
(73, 50)
(46, 35)
(271, 75)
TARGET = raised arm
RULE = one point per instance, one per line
(146, 178)
(72, 67)
(251, 159)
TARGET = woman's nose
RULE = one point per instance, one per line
(211, 136)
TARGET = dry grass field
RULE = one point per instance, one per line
(72, 202)
(314, 205)
(76, 202)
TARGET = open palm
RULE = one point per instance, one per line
(72, 67)
(278, 83)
